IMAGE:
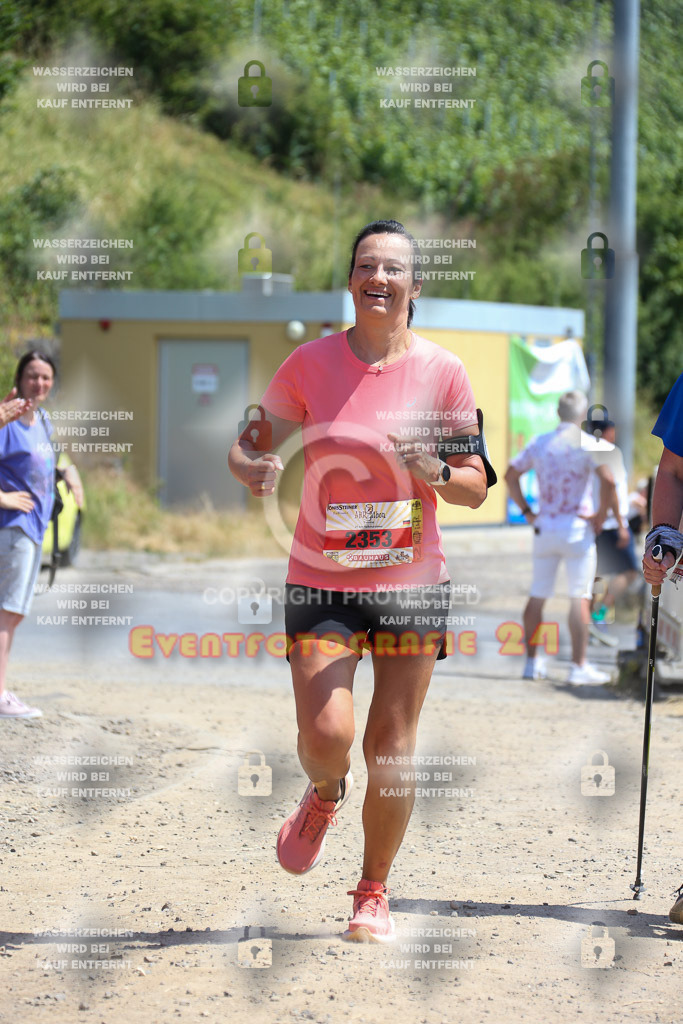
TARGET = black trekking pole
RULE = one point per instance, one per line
(658, 553)
(56, 557)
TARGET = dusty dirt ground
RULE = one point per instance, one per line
(129, 907)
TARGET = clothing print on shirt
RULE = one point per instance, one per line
(564, 467)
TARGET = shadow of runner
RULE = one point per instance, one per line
(636, 925)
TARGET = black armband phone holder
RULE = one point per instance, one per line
(469, 444)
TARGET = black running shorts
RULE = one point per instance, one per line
(391, 622)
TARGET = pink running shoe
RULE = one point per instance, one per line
(301, 841)
(371, 921)
(12, 707)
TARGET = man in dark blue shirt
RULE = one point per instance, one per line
(667, 506)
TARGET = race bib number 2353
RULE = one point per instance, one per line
(371, 534)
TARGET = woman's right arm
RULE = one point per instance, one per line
(667, 507)
(256, 469)
(19, 501)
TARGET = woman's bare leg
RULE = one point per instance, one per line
(8, 623)
(401, 685)
(323, 691)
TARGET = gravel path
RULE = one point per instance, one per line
(125, 901)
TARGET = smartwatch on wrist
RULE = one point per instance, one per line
(444, 474)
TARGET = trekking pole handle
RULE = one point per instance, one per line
(658, 552)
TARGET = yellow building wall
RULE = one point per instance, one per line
(118, 369)
(485, 357)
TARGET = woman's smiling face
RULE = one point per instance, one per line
(36, 381)
(382, 282)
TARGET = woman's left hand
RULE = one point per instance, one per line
(411, 456)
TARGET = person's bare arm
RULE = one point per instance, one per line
(609, 499)
(256, 469)
(667, 505)
(467, 485)
(512, 479)
(72, 480)
(667, 500)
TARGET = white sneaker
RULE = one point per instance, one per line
(587, 675)
(535, 668)
(12, 707)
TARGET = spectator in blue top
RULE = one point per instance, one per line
(27, 474)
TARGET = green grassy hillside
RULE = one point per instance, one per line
(185, 199)
(512, 170)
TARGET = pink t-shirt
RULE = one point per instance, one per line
(346, 409)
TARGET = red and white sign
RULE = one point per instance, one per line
(204, 379)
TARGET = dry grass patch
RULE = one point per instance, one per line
(122, 514)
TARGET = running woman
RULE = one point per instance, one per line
(367, 566)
